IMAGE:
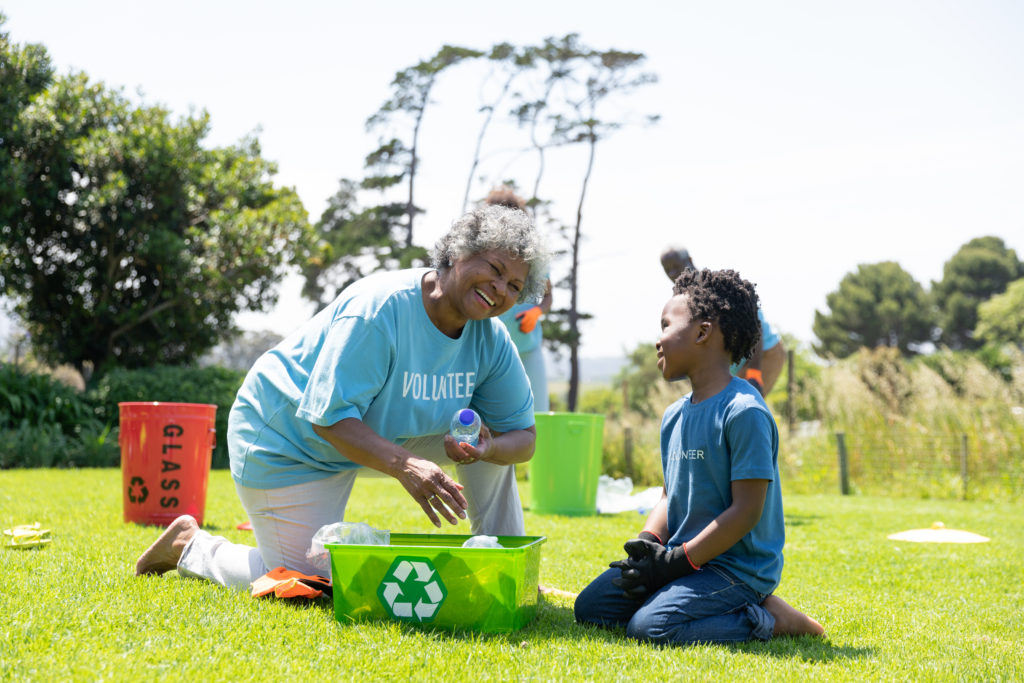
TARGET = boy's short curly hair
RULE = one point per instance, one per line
(724, 297)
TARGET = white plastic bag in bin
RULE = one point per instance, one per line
(352, 533)
(481, 541)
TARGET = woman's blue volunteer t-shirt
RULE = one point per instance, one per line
(704, 448)
(375, 355)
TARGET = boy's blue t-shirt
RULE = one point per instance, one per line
(375, 355)
(704, 448)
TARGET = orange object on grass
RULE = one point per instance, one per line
(285, 583)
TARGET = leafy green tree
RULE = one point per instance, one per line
(1001, 318)
(134, 245)
(564, 92)
(396, 160)
(878, 305)
(562, 97)
(353, 242)
(552, 65)
(980, 269)
(506, 62)
(25, 71)
(584, 119)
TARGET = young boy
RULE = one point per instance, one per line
(704, 567)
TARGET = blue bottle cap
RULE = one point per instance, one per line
(466, 416)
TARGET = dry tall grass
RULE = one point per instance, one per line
(904, 424)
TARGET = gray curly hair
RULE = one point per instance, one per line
(497, 228)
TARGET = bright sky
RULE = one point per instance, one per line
(797, 140)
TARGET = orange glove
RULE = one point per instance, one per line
(285, 583)
(754, 376)
(528, 319)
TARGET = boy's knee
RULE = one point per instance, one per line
(585, 607)
(642, 628)
(594, 605)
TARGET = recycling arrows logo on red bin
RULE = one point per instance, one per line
(137, 495)
(412, 589)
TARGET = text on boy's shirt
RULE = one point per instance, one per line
(688, 454)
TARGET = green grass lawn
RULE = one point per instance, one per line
(893, 611)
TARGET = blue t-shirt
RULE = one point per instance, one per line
(524, 341)
(769, 339)
(704, 448)
(375, 355)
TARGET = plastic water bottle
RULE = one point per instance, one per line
(466, 426)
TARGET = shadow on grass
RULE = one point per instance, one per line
(557, 622)
(805, 648)
(551, 621)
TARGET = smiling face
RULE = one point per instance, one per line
(677, 345)
(485, 284)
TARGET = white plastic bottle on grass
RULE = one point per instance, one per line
(466, 426)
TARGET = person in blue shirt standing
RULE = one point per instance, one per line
(372, 381)
(709, 558)
(523, 319)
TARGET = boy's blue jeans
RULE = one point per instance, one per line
(709, 606)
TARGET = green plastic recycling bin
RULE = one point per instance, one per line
(566, 463)
(431, 580)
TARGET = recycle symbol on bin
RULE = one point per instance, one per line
(137, 495)
(412, 589)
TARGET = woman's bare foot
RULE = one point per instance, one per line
(165, 552)
(789, 621)
(557, 592)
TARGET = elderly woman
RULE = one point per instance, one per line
(372, 381)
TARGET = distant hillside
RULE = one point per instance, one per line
(598, 370)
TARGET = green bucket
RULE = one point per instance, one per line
(431, 580)
(567, 463)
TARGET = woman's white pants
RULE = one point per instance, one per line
(285, 519)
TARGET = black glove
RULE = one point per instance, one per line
(649, 567)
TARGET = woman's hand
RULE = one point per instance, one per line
(427, 483)
(434, 490)
(462, 453)
(508, 448)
